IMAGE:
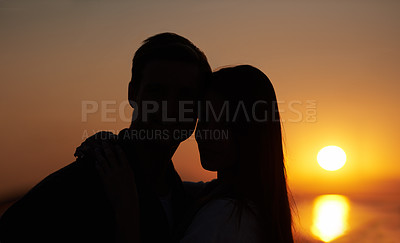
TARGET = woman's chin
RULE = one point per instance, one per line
(209, 166)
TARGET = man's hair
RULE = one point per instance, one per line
(171, 47)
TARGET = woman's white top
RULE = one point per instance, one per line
(217, 221)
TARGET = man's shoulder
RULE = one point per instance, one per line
(73, 174)
(58, 186)
(70, 194)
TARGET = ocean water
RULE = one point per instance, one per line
(342, 218)
(348, 218)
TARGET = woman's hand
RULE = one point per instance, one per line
(86, 149)
(119, 184)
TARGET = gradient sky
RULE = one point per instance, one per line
(342, 55)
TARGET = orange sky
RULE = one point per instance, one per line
(344, 55)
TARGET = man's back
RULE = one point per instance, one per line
(70, 205)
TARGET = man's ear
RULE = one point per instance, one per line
(131, 95)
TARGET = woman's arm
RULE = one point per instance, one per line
(120, 187)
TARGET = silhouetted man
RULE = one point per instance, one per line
(168, 76)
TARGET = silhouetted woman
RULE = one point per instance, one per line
(239, 136)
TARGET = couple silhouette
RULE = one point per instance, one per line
(124, 188)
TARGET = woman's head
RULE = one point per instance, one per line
(239, 108)
(239, 131)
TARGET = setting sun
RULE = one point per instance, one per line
(331, 158)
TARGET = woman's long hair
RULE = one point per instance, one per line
(256, 129)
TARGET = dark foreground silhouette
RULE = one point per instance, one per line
(70, 205)
(248, 202)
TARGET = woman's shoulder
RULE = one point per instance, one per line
(220, 221)
(228, 210)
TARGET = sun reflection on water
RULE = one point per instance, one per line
(330, 217)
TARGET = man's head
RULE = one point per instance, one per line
(169, 74)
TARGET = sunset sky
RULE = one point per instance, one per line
(342, 57)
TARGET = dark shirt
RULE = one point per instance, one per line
(70, 205)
